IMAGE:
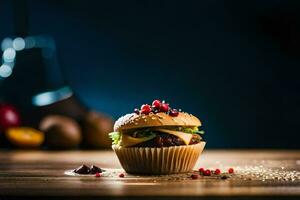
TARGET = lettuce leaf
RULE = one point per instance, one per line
(194, 130)
(115, 136)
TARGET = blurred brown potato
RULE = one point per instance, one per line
(61, 132)
(96, 127)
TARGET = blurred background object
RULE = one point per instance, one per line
(33, 80)
(25, 137)
(61, 132)
(95, 127)
(233, 64)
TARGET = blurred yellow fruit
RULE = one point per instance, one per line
(25, 137)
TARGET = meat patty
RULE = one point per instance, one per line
(167, 140)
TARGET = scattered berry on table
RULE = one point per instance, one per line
(194, 176)
(217, 171)
(230, 170)
(201, 170)
(207, 172)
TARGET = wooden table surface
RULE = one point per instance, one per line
(32, 174)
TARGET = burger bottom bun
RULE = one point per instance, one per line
(164, 160)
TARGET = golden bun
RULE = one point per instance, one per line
(132, 120)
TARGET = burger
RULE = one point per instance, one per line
(157, 139)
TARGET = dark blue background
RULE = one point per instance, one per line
(234, 64)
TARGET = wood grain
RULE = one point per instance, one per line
(36, 173)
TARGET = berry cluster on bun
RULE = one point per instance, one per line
(157, 106)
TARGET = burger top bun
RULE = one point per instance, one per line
(133, 121)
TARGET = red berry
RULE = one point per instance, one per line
(230, 170)
(194, 176)
(207, 172)
(145, 109)
(164, 107)
(156, 104)
(97, 174)
(217, 171)
(174, 113)
(201, 170)
(121, 175)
